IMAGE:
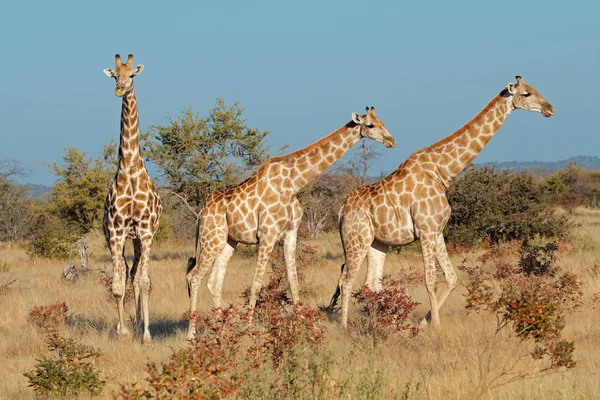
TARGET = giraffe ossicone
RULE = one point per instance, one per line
(411, 203)
(264, 208)
(132, 207)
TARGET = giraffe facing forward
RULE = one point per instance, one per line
(133, 206)
(411, 202)
(264, 208)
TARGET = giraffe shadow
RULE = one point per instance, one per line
(85, 325)
(164, 328)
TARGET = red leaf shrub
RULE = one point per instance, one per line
(385, 312)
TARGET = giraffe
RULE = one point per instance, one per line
(264, 208)
(411, 203)
(133, 206)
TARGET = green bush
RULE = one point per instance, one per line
(72, 371)
(51, 238)
(500, 206)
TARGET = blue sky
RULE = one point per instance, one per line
(299, 69)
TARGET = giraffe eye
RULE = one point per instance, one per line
(370, 126)
(526, 94)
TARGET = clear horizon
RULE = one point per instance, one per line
(299, 70)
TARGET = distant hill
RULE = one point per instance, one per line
(37, 191)
(546, 167)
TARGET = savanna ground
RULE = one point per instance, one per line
(433, 365)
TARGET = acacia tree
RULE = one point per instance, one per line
(77, 198)
(199, 155)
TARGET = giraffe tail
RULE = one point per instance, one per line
(190, 266)
(338, 291)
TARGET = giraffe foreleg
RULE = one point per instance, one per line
(137, 251)
(117, 245)
(375, 263)
(289, 250)
(142, 281)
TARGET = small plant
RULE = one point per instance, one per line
(385, 312)
(526, 338)
(539, 260)
(72, 371)
(49, 318)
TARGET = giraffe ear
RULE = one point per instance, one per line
(357, 118)
(138, 70)
(511, 88)
(109, 72)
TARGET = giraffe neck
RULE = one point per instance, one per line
(129, 147)
(457, 151)
(308, 163)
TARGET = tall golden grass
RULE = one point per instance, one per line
(433, 365)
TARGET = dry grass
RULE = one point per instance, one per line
(436, 365)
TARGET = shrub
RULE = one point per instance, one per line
(51, 238)
(529, 317)
(72, 371)
(538, 260)
(69, 374)
(385, 312)
(516, 209)
(49, 318)
(226, 359)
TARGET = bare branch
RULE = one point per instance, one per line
(183, 199)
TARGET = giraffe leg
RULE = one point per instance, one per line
(289, 251)
(137, 250)
(353, 260)
(375, 262)
(194, 276)
(441, 255)
(143, 282)
(117, 245)
(265, 248)
(429, 245)
(217, 275)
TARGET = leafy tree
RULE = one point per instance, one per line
(199, 155)
(78, 195)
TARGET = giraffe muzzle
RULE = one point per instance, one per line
(548, 111)
(389, 142)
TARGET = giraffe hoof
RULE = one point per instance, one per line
(124, 333)
(147, 339)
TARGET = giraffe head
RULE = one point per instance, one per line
(527, 98)
(371, 127)
(124, 74)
